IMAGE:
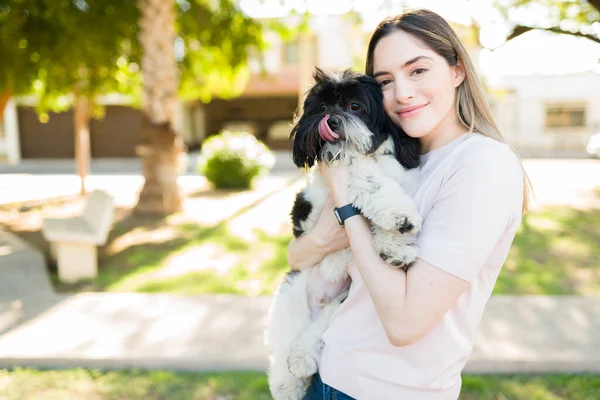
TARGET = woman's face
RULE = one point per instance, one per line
(418, 86)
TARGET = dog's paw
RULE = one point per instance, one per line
(301, 364)
(403, 258)
(407, 223)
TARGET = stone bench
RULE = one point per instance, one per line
(74, 240)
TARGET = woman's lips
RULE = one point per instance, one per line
(410, 111)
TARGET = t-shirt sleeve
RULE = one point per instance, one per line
(475, 207)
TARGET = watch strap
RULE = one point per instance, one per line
(345, 212)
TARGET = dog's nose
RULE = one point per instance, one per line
(334, 122)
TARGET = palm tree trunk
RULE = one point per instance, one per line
(82, 138)
(4, 98)
(160, 145)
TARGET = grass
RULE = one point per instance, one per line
(176, 254)
(30, 384)
(555, 252)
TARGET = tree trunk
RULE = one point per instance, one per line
(82, 138)
(4, 98)
(160, 145)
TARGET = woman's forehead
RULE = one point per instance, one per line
(395, 49)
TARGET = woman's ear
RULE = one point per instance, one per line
(459, 73)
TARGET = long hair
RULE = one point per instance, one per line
(472, 107)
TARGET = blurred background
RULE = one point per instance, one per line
(179, 113)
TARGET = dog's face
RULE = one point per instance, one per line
(344, 116)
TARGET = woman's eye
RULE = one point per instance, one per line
(355, 106)
(323, 107)
(384, 82)
(419, 71)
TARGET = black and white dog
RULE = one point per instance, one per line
(343, 122)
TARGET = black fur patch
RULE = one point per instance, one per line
(406, 227)
(300, 212)
(290, 276)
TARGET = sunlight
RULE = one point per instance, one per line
(141, 236)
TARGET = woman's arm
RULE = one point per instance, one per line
(408, 304)
(326, 236)
(471, 214)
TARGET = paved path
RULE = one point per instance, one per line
(39, 328)
(125, 330)
(44, 179)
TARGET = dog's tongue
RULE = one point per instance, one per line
(325, 131)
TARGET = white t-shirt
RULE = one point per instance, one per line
(470, 197)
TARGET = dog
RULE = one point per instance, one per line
(343, 122)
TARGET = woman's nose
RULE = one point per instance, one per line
(404, 92)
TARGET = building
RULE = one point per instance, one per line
(266, 107)
(549, 115)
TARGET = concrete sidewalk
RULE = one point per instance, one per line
(110, 330)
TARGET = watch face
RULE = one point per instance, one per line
(337, 216)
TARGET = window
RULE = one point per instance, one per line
(565, 116)
(291, 53)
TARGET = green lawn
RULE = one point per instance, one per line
(28, 384)
(556, 251)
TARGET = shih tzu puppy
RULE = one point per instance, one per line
(343, 122)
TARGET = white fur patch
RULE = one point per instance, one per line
(382, 189)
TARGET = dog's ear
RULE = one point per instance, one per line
(298, 148)
(407, 149)
(319, 75)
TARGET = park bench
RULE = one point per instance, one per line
(74, 240)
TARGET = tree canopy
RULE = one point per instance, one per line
(569, 17)
(56, 48)
(52, 48)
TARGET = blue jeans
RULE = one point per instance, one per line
(320, 391)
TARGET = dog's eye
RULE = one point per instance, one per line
(323, 107)
(355, 106)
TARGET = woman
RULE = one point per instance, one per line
(407, 335)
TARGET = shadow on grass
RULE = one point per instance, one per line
(138, 246)
(555, 251)
(242, 278)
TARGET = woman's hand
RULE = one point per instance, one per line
(337, 180)
(326, 236)
(327, 231)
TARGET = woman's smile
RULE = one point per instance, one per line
(408, 112)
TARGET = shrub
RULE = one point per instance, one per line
(234, 159)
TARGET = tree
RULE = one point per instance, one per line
(194, 48)
(67, 53)
(568, 17)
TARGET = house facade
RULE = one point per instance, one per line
(549, 115)
(266, 107)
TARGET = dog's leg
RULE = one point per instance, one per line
(398, 250)
(302, 361)
(289, 316)
(334, 266)
(382, 200)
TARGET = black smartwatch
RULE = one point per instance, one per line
(345, 212)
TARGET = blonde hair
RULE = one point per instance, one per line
(472, 107)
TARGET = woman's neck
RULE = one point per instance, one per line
(446, 131)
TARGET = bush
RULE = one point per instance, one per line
(234, 159)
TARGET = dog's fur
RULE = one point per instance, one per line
(378, 156)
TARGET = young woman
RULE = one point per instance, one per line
(407, 335)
